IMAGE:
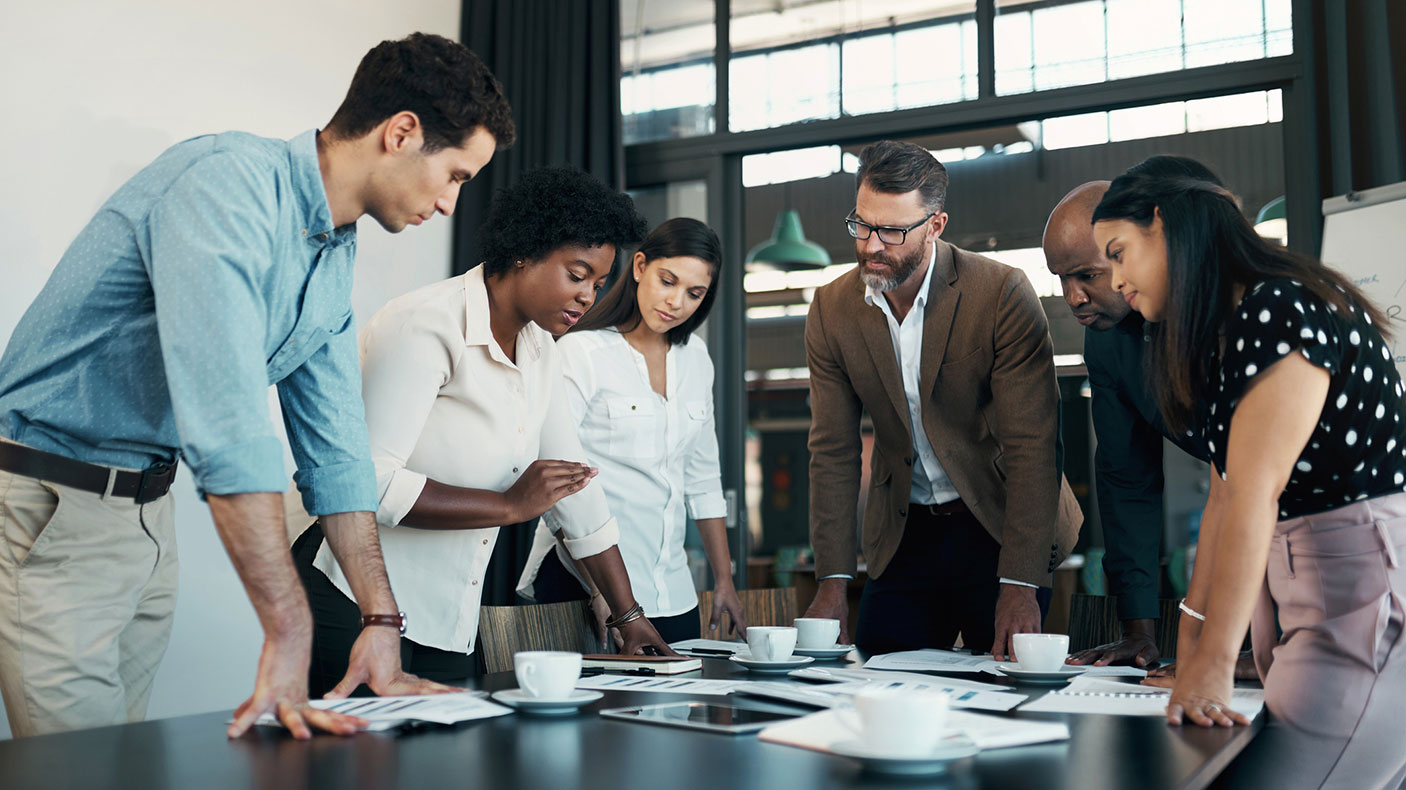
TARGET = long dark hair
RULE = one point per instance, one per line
(1211, 248)
(680, 237)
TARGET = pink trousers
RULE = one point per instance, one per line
(1334, 670)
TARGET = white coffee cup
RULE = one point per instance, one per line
(771, 642)
(897, 723)
(1040, 652)
(547, 674)
(817, 632)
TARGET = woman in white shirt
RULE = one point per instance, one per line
(640, 387)
(470, 428)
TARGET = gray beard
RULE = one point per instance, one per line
(901, 272)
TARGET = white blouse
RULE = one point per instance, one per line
(444, 402)
(658, 458)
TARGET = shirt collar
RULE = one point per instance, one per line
(477, 329)
(873, 296)
(316, 213)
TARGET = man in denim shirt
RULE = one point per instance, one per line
(222, 268)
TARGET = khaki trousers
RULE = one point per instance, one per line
(87, 594)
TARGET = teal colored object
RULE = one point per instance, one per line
(788, 247)
(1178, 572)
(1091, 576)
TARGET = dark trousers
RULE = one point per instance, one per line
(555, 584)
(941, 582)
(337, 624)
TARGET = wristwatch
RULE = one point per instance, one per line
(393, 620)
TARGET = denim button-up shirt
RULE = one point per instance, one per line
(210, 275)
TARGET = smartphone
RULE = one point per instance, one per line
(729, 719)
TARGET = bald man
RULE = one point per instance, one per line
(1128, 458)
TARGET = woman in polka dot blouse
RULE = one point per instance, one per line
(1284, 370)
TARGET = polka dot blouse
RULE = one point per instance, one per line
(1358, 449)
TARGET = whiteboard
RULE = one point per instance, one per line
(1364, 237)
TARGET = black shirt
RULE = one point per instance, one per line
(1128, 465)
(1358, 449)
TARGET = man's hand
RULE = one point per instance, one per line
(1165, 676)
(375, 661)
(545, 483)
(1017, 612)
(282, 687)
(725, 600)
(640, 633)
(831, 601)
(1138, 647)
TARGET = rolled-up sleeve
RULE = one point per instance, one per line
(404, 364)
(208, 241)
(703, 486)
(583, 518)
(324, 415)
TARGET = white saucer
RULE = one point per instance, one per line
(822, 653)
(1060, 675)
(517, 698)
(948, 750)
(746, 660)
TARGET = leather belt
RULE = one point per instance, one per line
(145, 486)
(946, 508)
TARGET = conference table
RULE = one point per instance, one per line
(587, 751)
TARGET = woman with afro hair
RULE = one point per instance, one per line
(470, 429)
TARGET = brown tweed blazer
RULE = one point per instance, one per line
(991, 414)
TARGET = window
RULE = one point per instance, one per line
(1043, 45)
(667, 82)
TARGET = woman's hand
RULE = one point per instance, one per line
(544, 484)
(1188, 637)
(600, 612)
(1201, 694)
(725, 600)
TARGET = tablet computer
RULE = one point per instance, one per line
(712, 717)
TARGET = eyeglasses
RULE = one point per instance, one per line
(888, 234)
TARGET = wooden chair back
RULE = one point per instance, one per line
(1093, 621)
(505, 630)
(769, 606)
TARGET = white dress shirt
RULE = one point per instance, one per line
(658, 458)
(931, 486)
(444, 402)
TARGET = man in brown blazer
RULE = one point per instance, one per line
(968, 513)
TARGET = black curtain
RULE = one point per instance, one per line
(559, 62)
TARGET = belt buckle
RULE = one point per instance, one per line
(155, 482)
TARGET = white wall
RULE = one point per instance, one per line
(95, 89)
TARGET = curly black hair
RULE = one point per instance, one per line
(552, 207)
(441, 81)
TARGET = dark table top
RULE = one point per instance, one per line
(587, 751)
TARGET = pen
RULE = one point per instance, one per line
(709, 651)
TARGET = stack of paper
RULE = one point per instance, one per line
(930, 660)
(820, 731)
(826, 696)
(658, 685)
(384, 713)
(1092, 695)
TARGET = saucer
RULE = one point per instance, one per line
(756, 665)
(1060, 675)
(822, 653)
(947, 751)
(517, 698)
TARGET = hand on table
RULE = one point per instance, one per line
(725, 600)
(375, 661)
(831, 601)
(1201, 695)
(281, 687)
(600, 613)
(1137, 647)
(1017, 612)
(543, 484)
(638, 634)
(1165, 676)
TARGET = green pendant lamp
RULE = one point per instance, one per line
(787, 248)
(1272, 221)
